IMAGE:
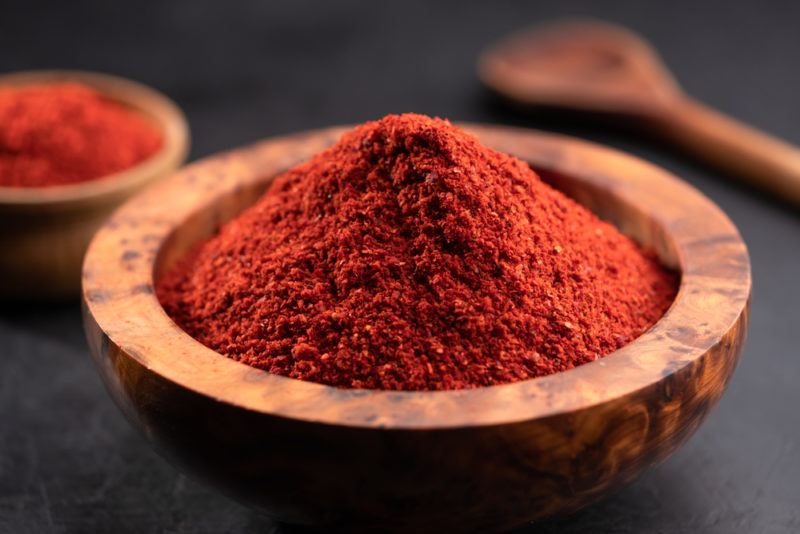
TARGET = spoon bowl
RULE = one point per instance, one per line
(588, 66)
(481, 459)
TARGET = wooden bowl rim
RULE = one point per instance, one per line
(140, 97)
(119, 299)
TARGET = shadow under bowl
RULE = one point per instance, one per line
(480, 459)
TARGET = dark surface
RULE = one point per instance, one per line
(69, 462)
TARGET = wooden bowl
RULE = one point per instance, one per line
(480, 459)
(46, 229)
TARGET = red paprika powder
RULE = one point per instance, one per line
(410, 257)
(65, 133)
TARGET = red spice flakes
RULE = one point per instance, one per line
(65, 133)
(410, 257)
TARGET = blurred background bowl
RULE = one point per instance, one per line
(45, 230)
(482, 459)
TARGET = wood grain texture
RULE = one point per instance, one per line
(481, 459)
(45, 231)
(605, 69)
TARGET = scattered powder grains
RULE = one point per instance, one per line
(64, 133)
(410, 257)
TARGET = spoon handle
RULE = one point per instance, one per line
(762, 160)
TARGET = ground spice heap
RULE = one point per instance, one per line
(410, 257)
(64, 133)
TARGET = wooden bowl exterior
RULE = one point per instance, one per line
(46, 230)
(482, 459)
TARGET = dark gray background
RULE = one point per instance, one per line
(69, 462)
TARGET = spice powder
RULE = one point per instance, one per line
(65, 133)
(409, 257)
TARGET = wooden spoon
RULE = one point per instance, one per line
(601, 68)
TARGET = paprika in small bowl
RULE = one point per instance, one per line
(486, 458)
(77, 144)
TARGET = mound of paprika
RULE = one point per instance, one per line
(409, 257)
(65, 133)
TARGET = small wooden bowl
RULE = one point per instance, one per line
(45, 230)
(481, 459)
